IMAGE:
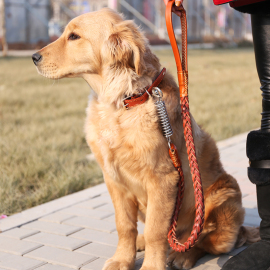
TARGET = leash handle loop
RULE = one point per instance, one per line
(182, 66)
(182, 73)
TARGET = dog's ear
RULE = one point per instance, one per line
(126, 46)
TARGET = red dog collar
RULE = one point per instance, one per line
(135, 100)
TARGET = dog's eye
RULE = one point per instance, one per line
(73, 36)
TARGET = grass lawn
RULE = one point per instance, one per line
(43, 150)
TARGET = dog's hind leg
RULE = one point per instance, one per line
(224, 214)
(126, 224)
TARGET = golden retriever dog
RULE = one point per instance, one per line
(114, 58)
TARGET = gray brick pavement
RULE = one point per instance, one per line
(95, 202)
(16, 246)
(97, 237)
(57, 241)
(19, 233)
(97, 264)
(49, 266)
(57, 217)
(97, 250)
(90, 223)
(93, 213)
(60, 257)
(13, 262)
(78, 231)
(48, 227)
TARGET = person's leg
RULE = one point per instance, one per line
(257, 256)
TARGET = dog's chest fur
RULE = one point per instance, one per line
(124, 141)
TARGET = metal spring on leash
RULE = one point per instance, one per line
(162, 114)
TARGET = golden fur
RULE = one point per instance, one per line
(114, 58)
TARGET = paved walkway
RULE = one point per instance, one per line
(78, 231)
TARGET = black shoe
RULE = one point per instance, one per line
(257, 255)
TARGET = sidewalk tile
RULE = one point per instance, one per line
(200, 267)
(57, 241)
(106, 194)
(13, 222)
(93, 213)
(52, 267)
(212, 267)
(57, 217)
(110, 219)
(50, 227)
(16, 246)
(95, 202)
(213, 260)
(60, 257)
(252, 221)
(56, 205)
(13, 262)
(96, 237)
(91, 205)
(91, 223)
(19, 233)
(95, 265)
(106, 208)
(97, 250)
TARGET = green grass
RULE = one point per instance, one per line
(225, 97)
(43, 150)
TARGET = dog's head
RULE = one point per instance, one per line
(90, 43)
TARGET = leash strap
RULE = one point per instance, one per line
(182, 73)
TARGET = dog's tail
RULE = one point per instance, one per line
(247, 235)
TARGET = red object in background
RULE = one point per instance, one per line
(236, 3)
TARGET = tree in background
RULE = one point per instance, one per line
(3, 18)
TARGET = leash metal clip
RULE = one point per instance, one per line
(163, 115)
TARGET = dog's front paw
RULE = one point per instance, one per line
(112, 264)
(179, 261)
(152, 268)
(184, 260)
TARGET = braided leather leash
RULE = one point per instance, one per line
(196, 178)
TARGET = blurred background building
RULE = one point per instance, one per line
(34, 23)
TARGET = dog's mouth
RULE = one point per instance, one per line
(50, 73)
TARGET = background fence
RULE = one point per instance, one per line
(35, 22)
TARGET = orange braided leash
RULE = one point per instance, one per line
(196, 178)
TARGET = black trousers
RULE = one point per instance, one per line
(258, 142)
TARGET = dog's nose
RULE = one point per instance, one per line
(36, 58)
